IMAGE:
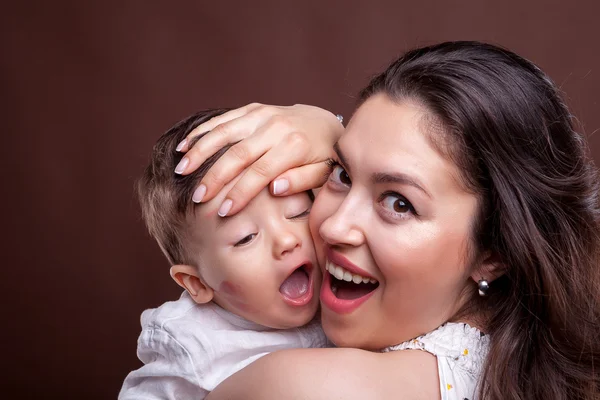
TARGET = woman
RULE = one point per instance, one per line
(464, 197)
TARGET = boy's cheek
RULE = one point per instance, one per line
(231, 297)
(245, 309)
(230, 288)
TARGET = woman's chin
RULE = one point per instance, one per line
(345, 335)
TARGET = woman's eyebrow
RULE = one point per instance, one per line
(397, 177)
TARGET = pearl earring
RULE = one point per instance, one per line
(483, 287)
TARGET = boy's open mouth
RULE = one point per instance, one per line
(297, 284)
(348, 286)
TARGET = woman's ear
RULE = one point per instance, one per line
(490, 268)
(188, 278)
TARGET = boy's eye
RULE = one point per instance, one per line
(245, 240)
(302, 214)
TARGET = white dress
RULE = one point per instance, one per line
(460, 350)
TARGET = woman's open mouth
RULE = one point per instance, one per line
(348, 286)
(343, 291)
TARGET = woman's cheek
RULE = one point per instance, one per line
(315, 218)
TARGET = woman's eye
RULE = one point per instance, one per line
(340, 175)
(245, 240)
(396, 203)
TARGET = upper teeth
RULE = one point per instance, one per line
(344, 275)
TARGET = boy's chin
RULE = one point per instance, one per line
(296, 321)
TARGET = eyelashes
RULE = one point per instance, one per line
(247, 239)
(331, 164)
(301, 215)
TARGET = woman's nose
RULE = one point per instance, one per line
(344, 226)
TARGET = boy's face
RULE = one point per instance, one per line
(261, 262)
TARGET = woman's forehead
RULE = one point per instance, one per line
(388, 136)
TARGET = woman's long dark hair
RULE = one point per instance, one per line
(503, 123)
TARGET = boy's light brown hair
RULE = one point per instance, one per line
(166, 197)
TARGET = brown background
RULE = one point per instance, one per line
(86, 88)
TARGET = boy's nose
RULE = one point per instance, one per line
(285, 241)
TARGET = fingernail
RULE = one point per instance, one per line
(280, 186)
(199, 194)
(181, 144)
(181, 166)
(225, 208)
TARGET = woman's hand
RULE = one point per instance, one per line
(286, 145)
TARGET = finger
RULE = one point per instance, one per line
(225, 134)
(231, 164)
(218, 120)
(300, 179)
(260, 173)
(246, 152)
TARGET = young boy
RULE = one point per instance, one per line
(251, 280)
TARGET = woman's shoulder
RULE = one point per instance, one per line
(449, 339)
(335, 373)
(460, 343)
(461, 351)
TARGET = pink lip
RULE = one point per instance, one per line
(307, 297)
(336, 305)
(343, 262)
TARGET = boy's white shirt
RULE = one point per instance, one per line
(188, 349)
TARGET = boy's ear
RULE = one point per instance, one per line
(188, 278)
(490, 268)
